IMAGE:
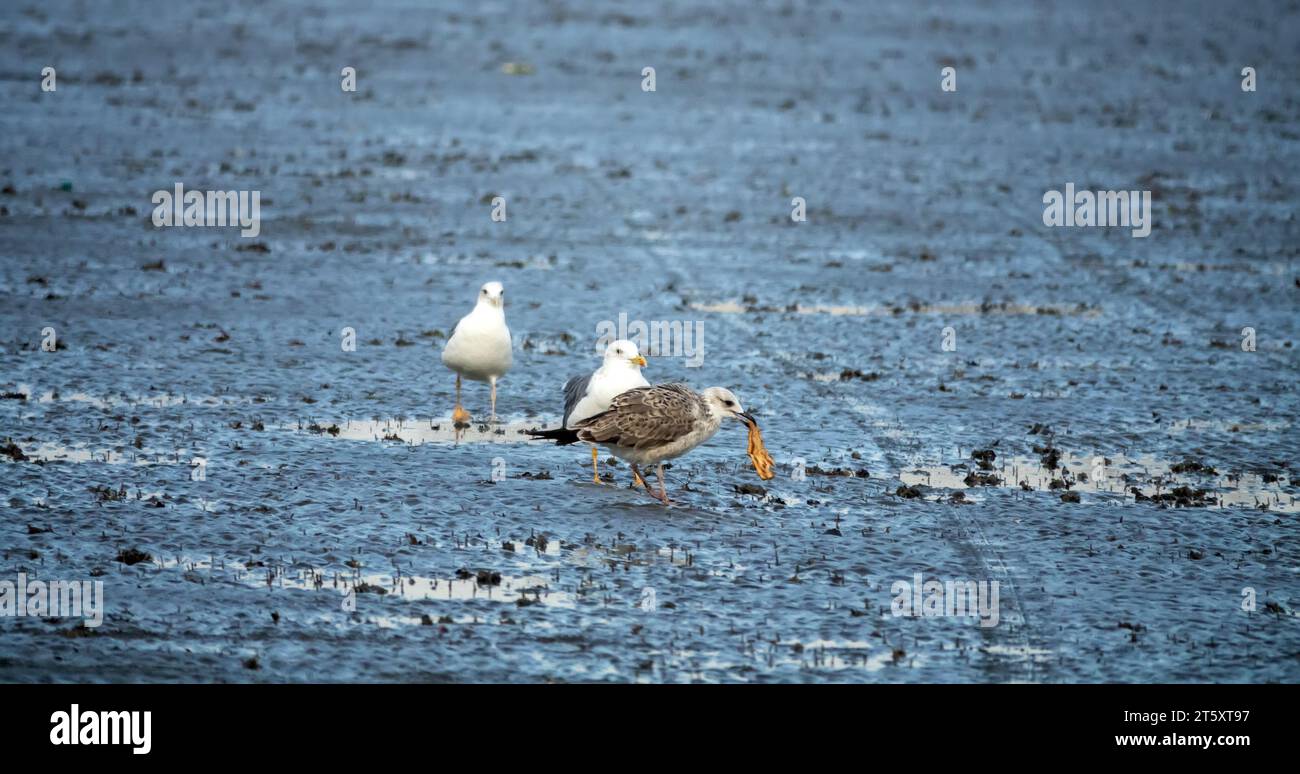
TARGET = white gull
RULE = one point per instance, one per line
(479, 348)
(586, 396)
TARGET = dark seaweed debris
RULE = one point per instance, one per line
(106, 494)
(1180, 497)
(1051, 456)
(133, 556)
(816, 470)
(975, 478)
(11, 450)
(1190, 465)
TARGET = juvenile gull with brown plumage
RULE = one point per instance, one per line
(648, 425)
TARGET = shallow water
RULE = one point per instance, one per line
(202, 410)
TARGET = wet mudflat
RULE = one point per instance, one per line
(263, 505)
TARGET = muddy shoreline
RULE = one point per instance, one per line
(949, 388)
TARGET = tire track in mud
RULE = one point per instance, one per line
(986, 560)
(1030, 641)
(1127, 299)
(992, 565)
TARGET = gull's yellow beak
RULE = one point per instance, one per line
(638, 360)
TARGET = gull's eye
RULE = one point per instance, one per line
(728, 403)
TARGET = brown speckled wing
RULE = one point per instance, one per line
(645, 417)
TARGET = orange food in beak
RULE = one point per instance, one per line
(763, 464)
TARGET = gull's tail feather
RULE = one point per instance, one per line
(561, 435)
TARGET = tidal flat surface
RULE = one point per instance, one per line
(262, 505)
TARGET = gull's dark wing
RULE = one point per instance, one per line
(574, 391)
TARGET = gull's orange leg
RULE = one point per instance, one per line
(458, 414)
(595, 466)
(637, 478)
